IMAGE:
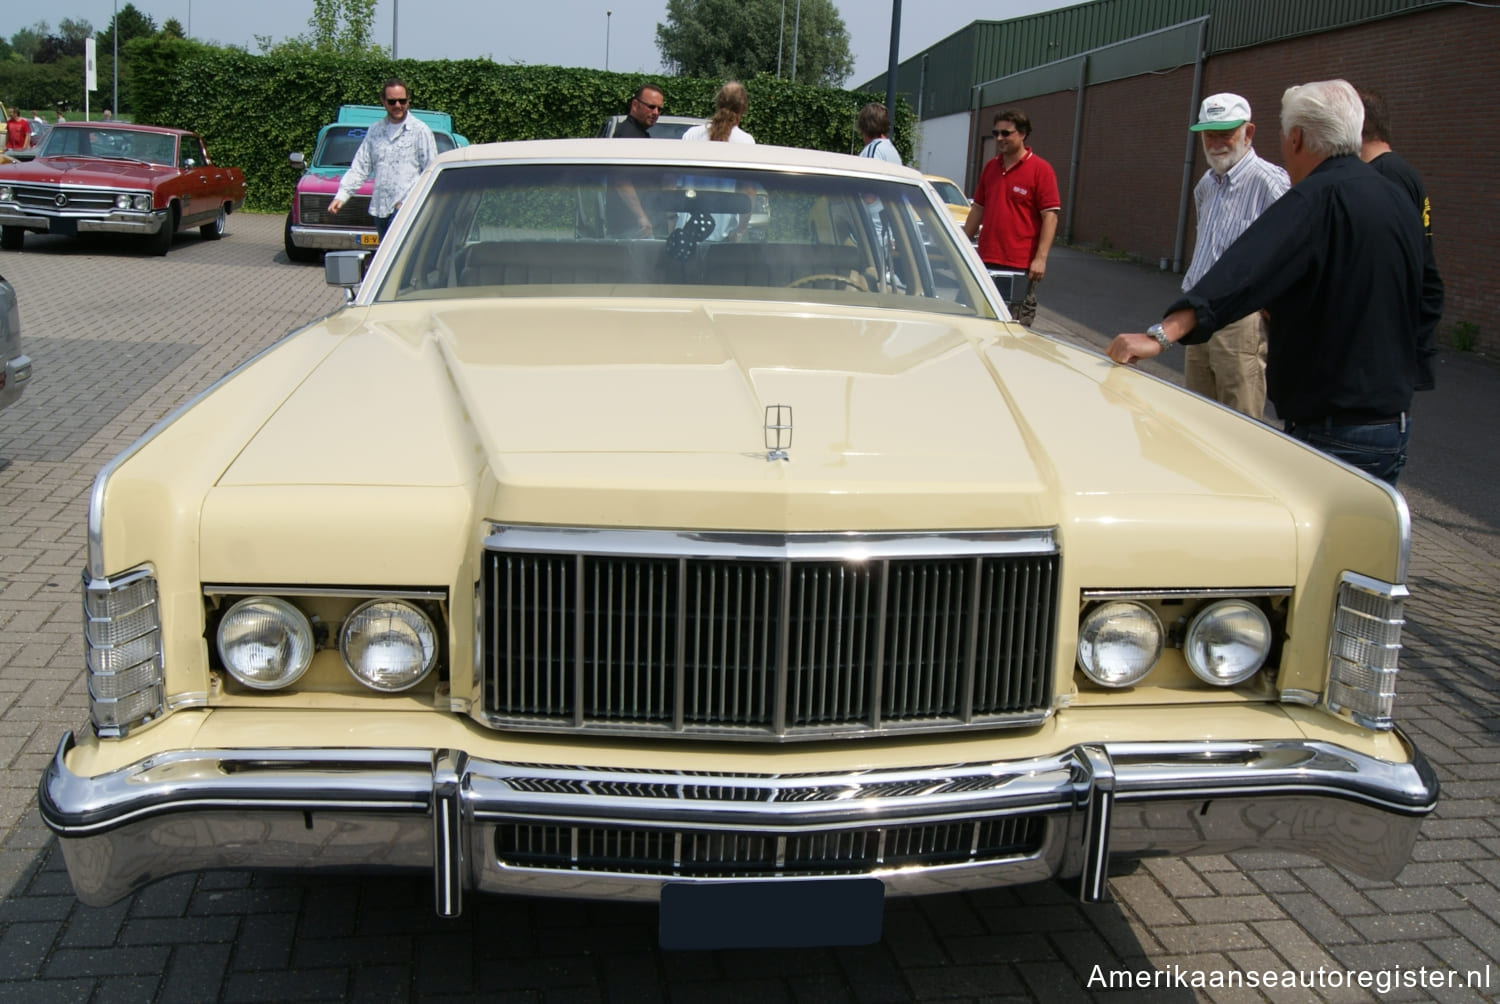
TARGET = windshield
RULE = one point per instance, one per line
(111, 144)
(949, 192)
(340, 143)
(700, 232)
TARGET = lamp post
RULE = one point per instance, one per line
(606, 39)
(796, 25)
(780, 34)
(395, 6)
(114, 35)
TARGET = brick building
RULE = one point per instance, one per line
(1111, 87)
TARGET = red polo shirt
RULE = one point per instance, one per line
(1014, 202)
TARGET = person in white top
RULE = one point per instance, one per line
(874, 125)
(396, 150)
(730, 104)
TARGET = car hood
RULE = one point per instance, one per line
(83, 171)
(638, 412)
(325, 180)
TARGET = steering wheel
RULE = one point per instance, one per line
(853, 281)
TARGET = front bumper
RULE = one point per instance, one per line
(457, 817)
(137, 223)
(17, 376)
(332, 238)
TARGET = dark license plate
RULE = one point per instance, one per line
(369, 238)
(788, 913)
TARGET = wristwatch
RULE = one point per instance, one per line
(1156, 332)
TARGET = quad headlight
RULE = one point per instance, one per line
(1119, 642)
(265, 642)
(127, 201)
(1227, 642)
(389, 645)
(7, 194)
(122, 202)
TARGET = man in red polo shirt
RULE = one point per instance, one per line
(1017, 202)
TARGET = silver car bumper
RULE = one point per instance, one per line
(443, 812)
(140, 224)
(17, 376)
(332, 238)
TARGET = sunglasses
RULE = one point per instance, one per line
(1001, 133)
(654, 108)
(397, 101)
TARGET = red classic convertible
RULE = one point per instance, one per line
(109, 177)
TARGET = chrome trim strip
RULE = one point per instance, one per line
(347, 592)
(770, 546)
(1174, 594)
(95, 559)
(431, 809)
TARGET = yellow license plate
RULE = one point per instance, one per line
(369, 238)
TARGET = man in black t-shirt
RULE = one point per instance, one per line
(629, 214)
(1376, 151)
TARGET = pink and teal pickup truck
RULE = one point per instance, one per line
(310, 229)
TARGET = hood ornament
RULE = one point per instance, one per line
(778, 431)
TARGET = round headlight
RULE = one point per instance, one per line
(1227, 642)
(265, 643)
(142, 202)
(122, 202)
(1119, 643)
(388, 645)
(6, 195)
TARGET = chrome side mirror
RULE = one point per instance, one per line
(297, 160)
(346, 269)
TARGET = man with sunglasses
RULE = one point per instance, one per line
(631, 213)
(1016, 202)
(396, 150)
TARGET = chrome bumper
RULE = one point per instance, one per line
(17, 375)
(112, 223)
(440, 810)
(330, 238)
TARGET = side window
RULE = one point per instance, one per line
(190, 152)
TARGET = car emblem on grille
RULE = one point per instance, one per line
(60, 199)
(778, 431)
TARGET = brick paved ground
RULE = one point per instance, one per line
(119, 339)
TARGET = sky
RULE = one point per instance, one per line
(556, 32)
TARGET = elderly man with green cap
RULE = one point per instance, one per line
(1238, 186)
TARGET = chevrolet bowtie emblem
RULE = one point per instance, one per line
(778, 431)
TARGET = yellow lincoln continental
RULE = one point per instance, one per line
(688, 523)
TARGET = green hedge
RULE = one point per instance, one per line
(253, 110)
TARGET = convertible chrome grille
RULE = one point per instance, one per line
(312, 211)
(738, 854)
(44, 197)
(747, 647)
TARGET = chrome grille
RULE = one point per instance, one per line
(80, 200)
(750, 647)
(312, 211)
(721, 854)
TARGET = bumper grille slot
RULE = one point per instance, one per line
(716, 854)
(747, 647)
(312, 211)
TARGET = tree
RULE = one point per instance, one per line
(27, 42)
(172, 28)
(740, 38)
(131, 24)
(343, 26)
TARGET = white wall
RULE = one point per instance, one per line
(943, 147)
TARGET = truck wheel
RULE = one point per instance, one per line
(11, 238)
(293, 252)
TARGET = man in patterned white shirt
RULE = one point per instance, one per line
(1238, 186)
(395, 150)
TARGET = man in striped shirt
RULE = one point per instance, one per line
(1238, 186)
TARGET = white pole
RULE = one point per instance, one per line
(114, 33)
(796, 26)
(395, 7)
(780, 34)
(606, 39)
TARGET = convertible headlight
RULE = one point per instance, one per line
(141, 202)
(122, 202)
(6, 195)
(1119, 643)
(388, 645)
(1227, 642)
(265, 642)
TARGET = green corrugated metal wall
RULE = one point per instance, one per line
(985, 50)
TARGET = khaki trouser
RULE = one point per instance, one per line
(1231, 366)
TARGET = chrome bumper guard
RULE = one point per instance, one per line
(330, 238)
(139, 224)
(441, 811)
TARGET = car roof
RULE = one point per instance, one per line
(126, 126)
(669, 152)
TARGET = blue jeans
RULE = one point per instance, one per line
(1378, 450)
(382, 224)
